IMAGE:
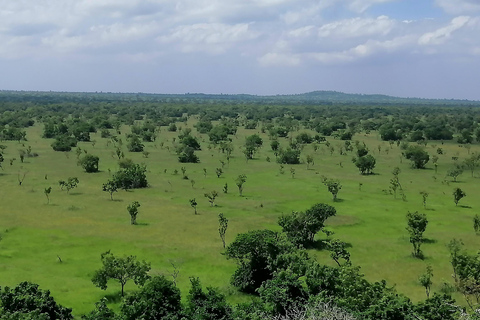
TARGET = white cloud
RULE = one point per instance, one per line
(439, 36)
(357, 27)
(209, 37)
(362, 5)
(279, 59)
(459, 6)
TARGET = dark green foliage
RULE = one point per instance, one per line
(157, 299)
(133, 211)
(476, 223)
(132, 177)
(207, 305)
(27, 298)
(365, 164)
(222, 227)
(417, 155)
(439, 307)
(289, 156)
(301, 227)
(240, 181)
(135, 144)
(283, 292)
(188, 141)
(71, 183)
(252, 144)
(338, 250)
(204, 126)
(257, 254)
(416, 225)
(304, 138)
(218, 134)
(458, 194)
(101, 311)
(89, 163)
(333, 187)
(187, 155)
(64, 143)
(122, 270)
(110, 186)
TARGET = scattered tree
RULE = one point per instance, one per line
(458, 194)
(193, 204)
(222, 228)
(219, 172)
(211, 196)
(120, 269)
(417, 155)
(133, 211)
(338, 250)
(241, 179)
(426, 280)
(476, 223)
(89, 163)
(416, 225)
(365, 164)
(424, 195)
(47, 192)
(110, 186)
(333, 187)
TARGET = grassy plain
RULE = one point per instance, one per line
(79, 226)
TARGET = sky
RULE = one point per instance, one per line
(406, 48)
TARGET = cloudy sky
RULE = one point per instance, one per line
(408, 48)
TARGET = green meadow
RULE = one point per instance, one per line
(77, 227)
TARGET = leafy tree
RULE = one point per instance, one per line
(110, 186)
(159, 298)
(426, 280)
(417, 155)
(219, 172)
(416, 225)
(241, 179)
(193, 204)
(257, 254)
(458, 194)
(211, 197)
(28, 299)
(365, 164)
(333, 187)
(252, 143)
(476, 223)
(122, 270)
(64, 143)
(472, 162)
(301, 227)
(133, 211)
(222, 228)
(439, 307)
(454, 246)
(424, 195)
(207, 305)
(47, 192)
(283, 292)
(289, 156)
(101, 311)
(338, 250)
(132, 177)
(71, 183)
(89, 163)
(135, 144)
(455, 171)
(187, 155)
(309, 161)
(275, 145)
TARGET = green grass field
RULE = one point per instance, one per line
(79, 226)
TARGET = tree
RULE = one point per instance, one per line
(417, 155)
(187, 155)
(207, 305)
(476, 223)
(333, 187)
(222, 228)
(309, 161)
(71, 183)
(416, 225)
(219, 172)
(301, 227)
(257, 254)
(193, 204)
(455, 171)
(365, 164)
(424, 195)
(159, 298)
(47, 192)
(241, 179)
(338, 250)
(135, 144)
(64, 143)
(89, 163)
(252, 143)
(101, 311)
(211, 197)
(472, 162)
(133, 211)
(426, 280)
(110, 186)
(131, 177)
(28, 299)
(121, 269)
(458, 194)
(289, 156)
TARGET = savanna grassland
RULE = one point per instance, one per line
(76, 227)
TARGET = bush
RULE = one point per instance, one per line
(131, 178)
(289, 156)
(89, 163)
(64, 143)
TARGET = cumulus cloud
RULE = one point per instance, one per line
(357, 27)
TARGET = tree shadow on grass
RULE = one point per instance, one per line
(466, 207)
(142, 224)
(426, 240)
(75, 193)
(322, 244)
(114, 297)
(117, 200)
(339, 200)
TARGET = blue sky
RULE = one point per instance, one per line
(408, 48)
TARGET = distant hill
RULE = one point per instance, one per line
(309, 98)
